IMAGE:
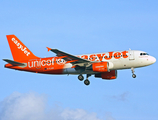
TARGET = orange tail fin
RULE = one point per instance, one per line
(19, 51)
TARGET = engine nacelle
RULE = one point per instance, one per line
(100, 67)
(107, 75)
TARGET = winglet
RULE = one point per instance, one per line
(48, 49)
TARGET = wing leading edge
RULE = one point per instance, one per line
(68, 57)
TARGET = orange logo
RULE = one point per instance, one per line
(105, 56)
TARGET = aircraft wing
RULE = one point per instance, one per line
(68, 57)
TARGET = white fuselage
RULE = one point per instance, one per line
(117, 60)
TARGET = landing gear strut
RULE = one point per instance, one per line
(133, 75)
(87, 82)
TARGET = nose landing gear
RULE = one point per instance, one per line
(133, 75)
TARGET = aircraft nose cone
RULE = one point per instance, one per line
(153, 60)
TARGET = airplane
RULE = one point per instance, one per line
(101, 65)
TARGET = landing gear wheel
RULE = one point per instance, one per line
(86, 82)
(134, 76)
(80, 77)
(132, 69)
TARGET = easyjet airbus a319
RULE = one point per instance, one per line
(101, 65)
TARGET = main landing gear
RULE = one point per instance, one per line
(86, 82)
(133, 75)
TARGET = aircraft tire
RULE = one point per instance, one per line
(134, 76)
(80, 77)
(86, 82)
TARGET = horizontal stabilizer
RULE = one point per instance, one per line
(14, 63)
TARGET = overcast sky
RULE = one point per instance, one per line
(79, 27)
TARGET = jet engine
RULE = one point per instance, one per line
(107, 75)
(100, 67)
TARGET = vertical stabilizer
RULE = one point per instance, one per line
(19, 51)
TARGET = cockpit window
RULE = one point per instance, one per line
(144, 54)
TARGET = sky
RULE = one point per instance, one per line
(79, 27)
